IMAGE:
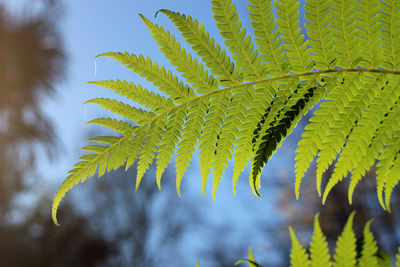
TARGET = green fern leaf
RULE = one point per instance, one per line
(388, 167)
(369, 248)
(269, 45)
(235, 37)
(169, 139)
(345, 42)
(157, 103)
(251, 260)
(190, 135)
(351, 154)
(345, 252)
(87, 166)
(149, 149)
(298, 255)
(114, 125)
(357, 99)
(319, 251)
(164, 80)
(217, 109)
(184, 63)
(136, 115)
(295, 43)
(367, 24)
(245, 105)
(211, 53)
(320, 33)
(390, 18)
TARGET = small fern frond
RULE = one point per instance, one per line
(345, 252)
(319, 251)
(345, 44)
(114, 125)
(369, 248)
(294, 41)
(317, 131)
(320, 33)
(217, 110)
(236, 39)
(346, 249)
(298, 255)
(105, 157)
(149, 149)
(157, 103)
(170, 138)
(136, 115)
(388, 167)
(161, 78)
(359, 96)
(269, 45)
(184, 63)
(211, 53)
(367, 28)
(250, 260)
(390, 21)
(392, 180)
(190, 135)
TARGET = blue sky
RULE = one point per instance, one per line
(92, 27)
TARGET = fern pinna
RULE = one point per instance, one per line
(346, 252)
(242, 107)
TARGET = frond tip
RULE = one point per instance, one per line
(243, 106)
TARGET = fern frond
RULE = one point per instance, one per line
(157, 103)
(211, 53)
(269, 45)
(345, 252)
(388, 167)
(281, 123)
(389, 122)
(392, 177)
(317, 129)
(236, 39)
(184, 63)
(294, 41)
(190, 135)
(369, 248)
(250, 260)
(250, 66)
(345, 42)
(217, 109)
(390, 21)
(320, 33)
(319, 251)
(136, 115)
(161, 78)
(350, 155)
(114, 125)
(368, 31)
(150, 146)
(298, 255)
(109, 157)
(360, 95)
(356, 73)
(169, 139)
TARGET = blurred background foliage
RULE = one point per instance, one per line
(105, 223)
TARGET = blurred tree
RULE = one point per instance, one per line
(32, 60)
